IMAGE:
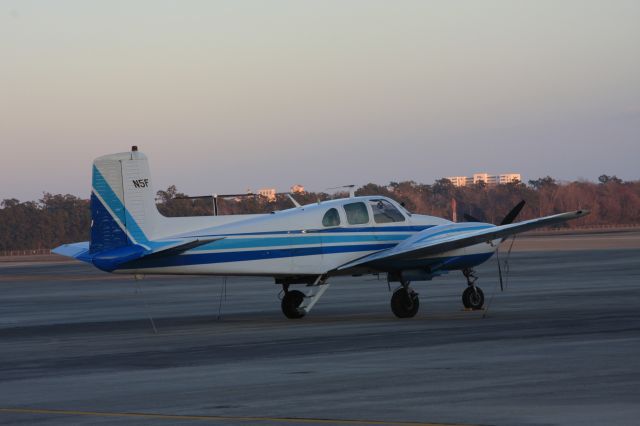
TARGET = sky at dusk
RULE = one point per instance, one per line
(228, 95)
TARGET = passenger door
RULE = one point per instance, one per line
(306, 250)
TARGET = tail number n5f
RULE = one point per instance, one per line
(141, 183)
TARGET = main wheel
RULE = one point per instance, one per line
(405, 303)
(290, 304)
(473, 298)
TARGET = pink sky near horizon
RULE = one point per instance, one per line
(224, 96)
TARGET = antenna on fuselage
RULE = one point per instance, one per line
(352, 189)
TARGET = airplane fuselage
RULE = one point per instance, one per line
(295, 242)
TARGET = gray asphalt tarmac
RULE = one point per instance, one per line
(560, 346)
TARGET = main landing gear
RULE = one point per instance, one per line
(291, 301)
(405, 302)
(472, 297)
(295, 304)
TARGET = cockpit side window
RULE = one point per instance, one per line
(357, 213)
(385, 212)
(331, 218)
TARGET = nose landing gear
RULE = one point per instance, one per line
(472, 297)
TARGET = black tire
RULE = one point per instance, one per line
(473, 299)
(405, 304)
(290, 303)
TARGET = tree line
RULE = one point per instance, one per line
(58, 219)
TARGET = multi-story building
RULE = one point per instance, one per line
(509, 178)
(485, 178)
(297, 189)
(460, 180)
(268, 193)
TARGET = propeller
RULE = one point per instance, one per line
(499, 269)
(470, 218)
(511, 216)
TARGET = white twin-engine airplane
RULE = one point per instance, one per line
(303, 245)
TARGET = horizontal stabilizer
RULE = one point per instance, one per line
(110, 260)
(76, 250)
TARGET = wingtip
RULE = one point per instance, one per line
(60, 249)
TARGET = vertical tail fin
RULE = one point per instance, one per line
(123, 209)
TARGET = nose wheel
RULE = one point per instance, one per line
(405, 302)
(472, 296)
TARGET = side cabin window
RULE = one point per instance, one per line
(331, 218)
(385, 212)
(357, 213)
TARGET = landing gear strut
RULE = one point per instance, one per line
(472, 297)
(295, 304)
(405, 302)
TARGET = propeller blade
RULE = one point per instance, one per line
(499, 269)
(470, 218)
(511, 216)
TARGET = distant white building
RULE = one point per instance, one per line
(460, 180)
(268, 193)
(509, 178)
(297, 189)
(485, 178)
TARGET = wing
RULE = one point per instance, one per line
(441, 239)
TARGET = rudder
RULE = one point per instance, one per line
(123, 209)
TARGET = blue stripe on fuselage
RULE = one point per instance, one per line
(238, 256)
(192, 257)
(371, 229)
(449, 263)
(241, 243)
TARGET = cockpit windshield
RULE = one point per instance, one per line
(385, 212)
